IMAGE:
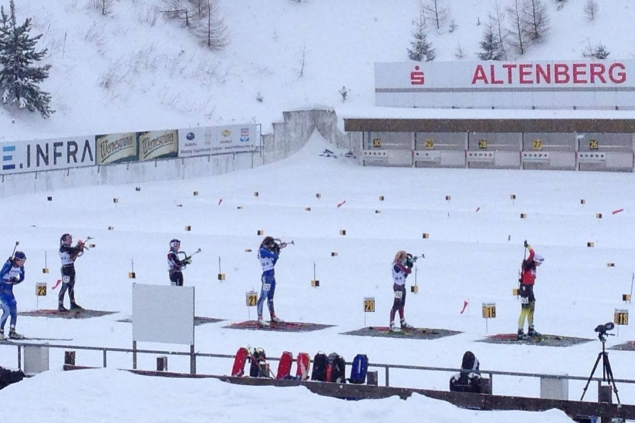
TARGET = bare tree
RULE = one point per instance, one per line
(516, 30)
(176, 9)
(437, 11)
(535, 19)
(459, 53)
(497, 18)
(591, 9)
(103, 6)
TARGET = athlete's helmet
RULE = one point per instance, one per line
(65, 238)
(175, 243)
(538, 259)
(19, 255)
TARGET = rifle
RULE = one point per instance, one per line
(186, 257)
(413, 259)
(80, 248)
(14, 248)
(279, 244)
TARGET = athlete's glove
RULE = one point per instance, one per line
(188, 261)
(15, 279)
(525, 244)
(276, 248)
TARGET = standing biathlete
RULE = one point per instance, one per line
(526, 291)
(176, 265)
(68, 255)
(268, 255)
(401, 268)
(12, 273)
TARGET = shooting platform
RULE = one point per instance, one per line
(70, 314)
(543, 340)
(415, 333)
(198, 320)
(279, 327)
(626, 346)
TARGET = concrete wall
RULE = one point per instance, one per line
(288, 137)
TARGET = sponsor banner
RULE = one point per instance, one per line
(41, 155)
(218, 140)
(559, 84)
(116, 148)
(158, 145)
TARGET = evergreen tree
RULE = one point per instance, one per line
(421, 48)
(19, 78)
(490, 45)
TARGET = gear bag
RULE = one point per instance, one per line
(359, 369)
(336, 368)
(469, 378)
(238, 369)
(259, 366)
(303, 363)
(284, 365)
(320, 363)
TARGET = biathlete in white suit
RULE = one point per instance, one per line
(401, 268)
(268, 255)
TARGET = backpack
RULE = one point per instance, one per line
(336, 369)
(239, 362)
(258, 367)
(303, 363)
(284, 365)
(359, 369)
(320, 363)
(469, 379)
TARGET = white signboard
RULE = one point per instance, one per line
(58, 153)
(163, 314)
(562, 84)
(218, 140)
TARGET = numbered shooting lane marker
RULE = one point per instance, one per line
(188, 228)
(195, 193)
(626, 298)
(488, 311)
(251, 300)
(343, 232)
(132, 274)
(115, 200)
(369, 307)
(381, 198)
(426, 235)
(256, 194)
(40, 291)
(261, 232)
(49, 198)
(45, 269)
(620, 317)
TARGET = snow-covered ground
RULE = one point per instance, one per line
(131, 70)
(473, 253)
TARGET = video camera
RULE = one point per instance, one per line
(602, 329)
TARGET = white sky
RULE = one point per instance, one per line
(159, 82)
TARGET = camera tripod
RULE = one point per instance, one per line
(607, 372)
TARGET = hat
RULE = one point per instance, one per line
(19, 255)
(175, 243)
(539, 259)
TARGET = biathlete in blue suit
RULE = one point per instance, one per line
(12, 273)
(268, 255)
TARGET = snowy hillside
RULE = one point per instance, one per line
(133, 69)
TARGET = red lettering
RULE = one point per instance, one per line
(416, 77)
(619, 77)
(579, 70)
(510, 68)
(561, 73)
(479, 75)
(492, 70)
(544, 73)
(597, 70)
(525, 71)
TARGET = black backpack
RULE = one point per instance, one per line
(258, 367)
(469, 379)
(337, 368)
(320, 362)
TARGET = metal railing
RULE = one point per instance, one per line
(386, 367)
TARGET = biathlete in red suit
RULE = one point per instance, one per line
(527, 298)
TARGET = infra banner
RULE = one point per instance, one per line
(49, 154)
